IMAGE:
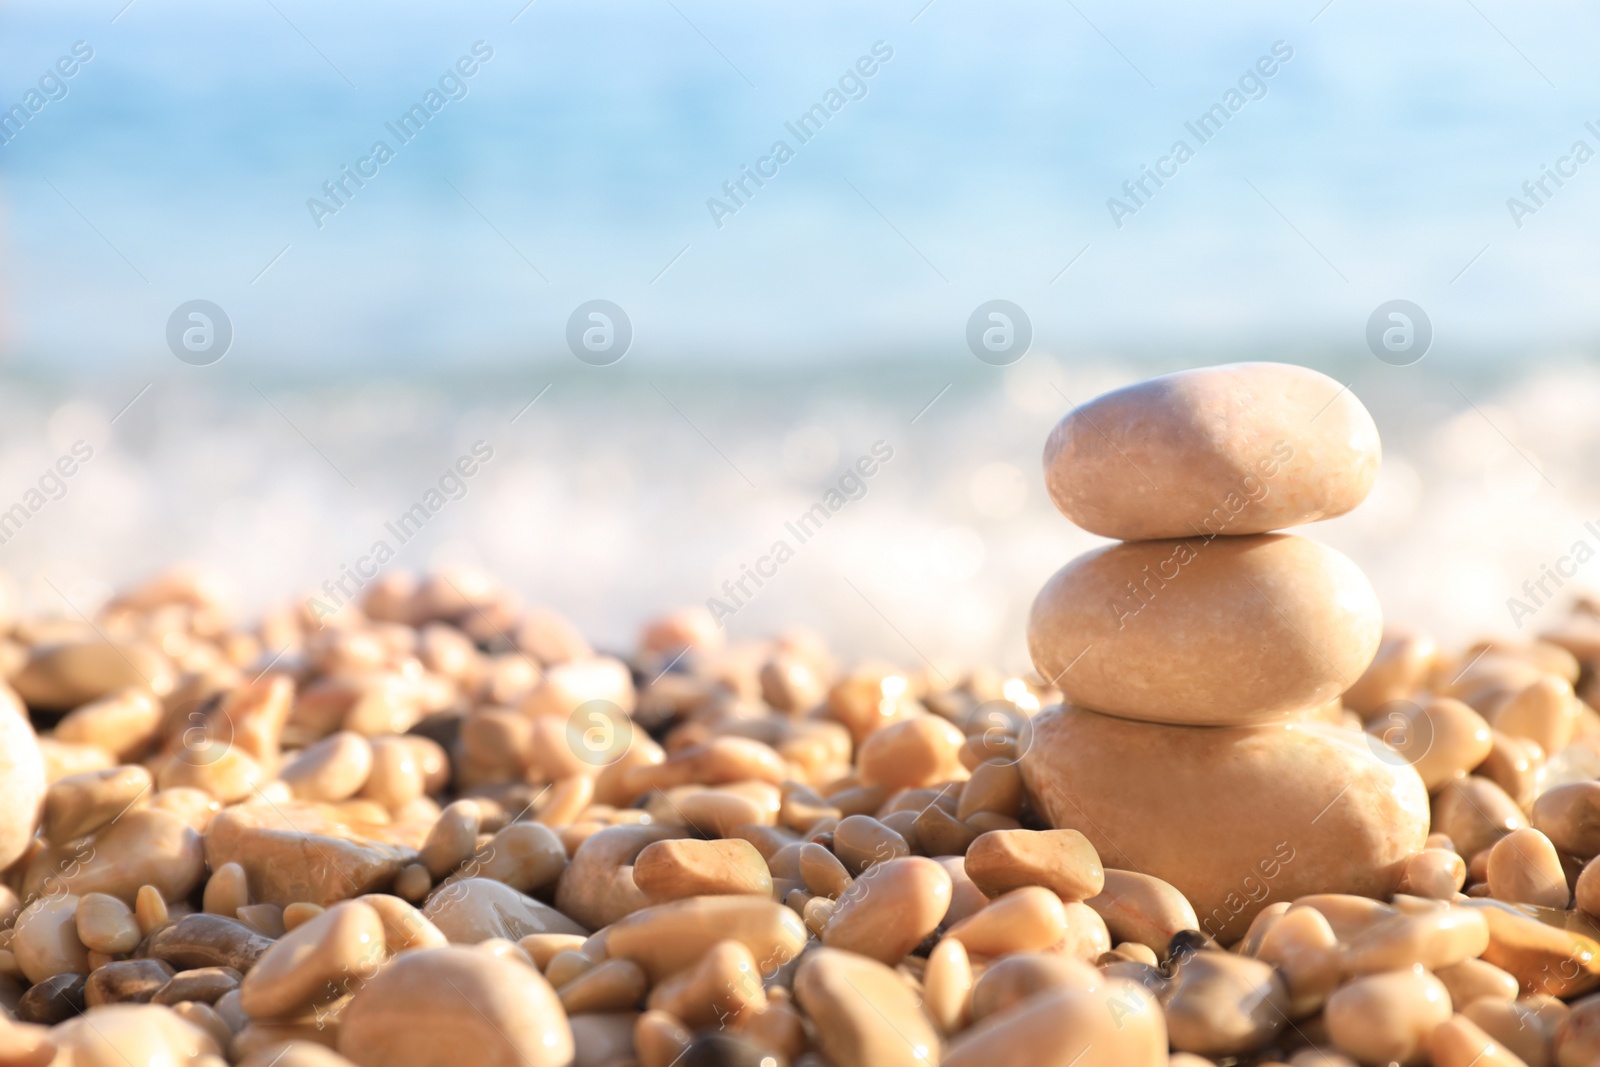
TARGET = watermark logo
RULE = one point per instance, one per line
(1401, 733)
(1399, 332)
(999, 332)
(199, 332)
(599, 333)
(599, 733)
(206, 736)
(1003, 731)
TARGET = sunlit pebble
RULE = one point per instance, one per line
(997, 490)
(810, 452)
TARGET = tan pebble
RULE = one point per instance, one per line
(938, 833)
(333, 769)
(195, 807)
(1443, 740)
(106, 924)
(1525, 869)
(315, 962)
(302, 851)
(1397, 671)
(1435, 873)
(404, 927)
(71, 674)
(865, 1014)
(120, 1034)
(1020, 976)
(721, 990)
(860, 841)
(1471, 979)
(299, 913)
(777, 1028)
(1140, 908)
(668, 937)
(890, 909)
(201, 940)
(1306, 951)
(1030, 919)
(1430, 940)
(816, 911)
(22, 778)
(299, 1053)
(1545, 712)
(672, 870)
(205, 1017)
(395, 778)
(907, 755)
(566, 966)
(141, 848)
(1155, 652)
(1577, 1039)
(541, 947)
(822, 872)
(527, 856)
(1544, 959)
(1220, 1004)
(1349, 915)
(566, 801)
(150, 908)
(1137, 952)
(1229, 449)
(1062, 861)
(1147, 798)
(476, 909)
(46, 939)
(263, 1036)
(226, 890)
(614, 985)
(80, 804)
(1459, 1042)
(125, 982)
(1516, 765)
(659, 1039)
(597, 888)
(452, 839)
(1569, 815)
(229, 774)
(427, 1006)
(1387, 1017)
(123, 723)
(995, 786)
(1475, 813)
(1260, 926)
(1116, 1024)
(947, 986)
(413, 882)
(1516, 1027)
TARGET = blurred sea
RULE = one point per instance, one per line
(625, 490)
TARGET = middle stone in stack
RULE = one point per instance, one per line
(1194, 656)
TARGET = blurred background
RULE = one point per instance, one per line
(363, 333)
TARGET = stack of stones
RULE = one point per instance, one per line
(1202, 657)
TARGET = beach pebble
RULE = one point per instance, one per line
(430, 1008)
(1524, 868)
(123, 1034)
(1186, 805)
(1545, 959)
(1117, 1023)
(46, 942)
(1475, 813)
(887, 912)
(669, 937)
(22, 778)
(1226, 632)
(866, 1015)
(1220, 1004)
(125, 982)
(672, 870)
(1062, 861)
(105, 924)
(203, 940)
(918, 752)
(1240, 448)
(1143, 909)
(1031, 919)
(477, 909)
(302, 852)
(1387, 1018)
(319, 960)
(1569, 815)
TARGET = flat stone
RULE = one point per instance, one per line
(202, 940)
(1234, 818)
(304, 852)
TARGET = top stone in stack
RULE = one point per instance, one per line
(1201, 616)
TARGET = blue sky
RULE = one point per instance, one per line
(977, 166)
